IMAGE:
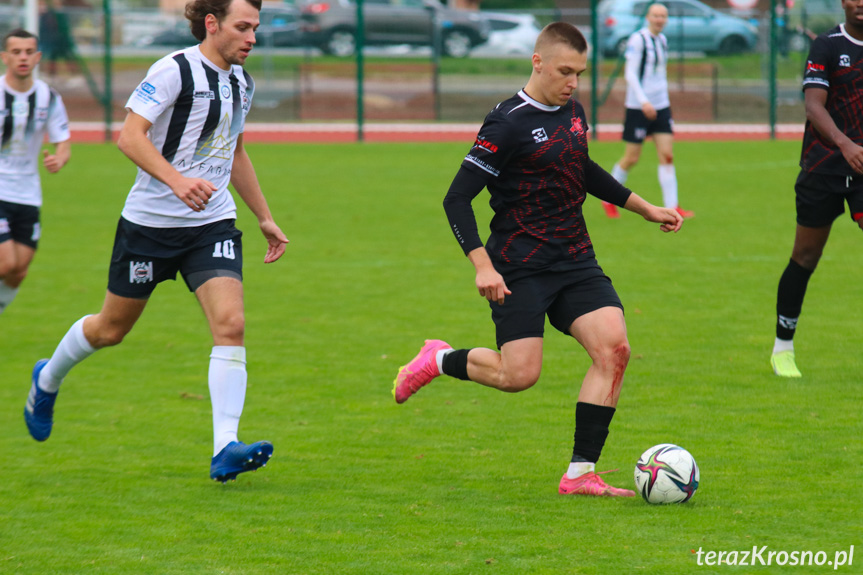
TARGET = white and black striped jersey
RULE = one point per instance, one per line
(646, 70)
(25, 118)
(197, 111)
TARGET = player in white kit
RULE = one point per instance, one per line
(184, 131)
(29, 109)
(648, 108)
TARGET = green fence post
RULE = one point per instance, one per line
(360, 44)
(107, 95)
(594, 64)
(772, 80)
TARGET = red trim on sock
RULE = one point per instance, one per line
(857, 216)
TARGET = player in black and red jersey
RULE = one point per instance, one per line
(531, 153)
(831, 165)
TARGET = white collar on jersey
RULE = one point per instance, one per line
(528, 100)
(847, 35)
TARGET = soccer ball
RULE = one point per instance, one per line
(666, 473)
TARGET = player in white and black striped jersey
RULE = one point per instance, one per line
(184, 131)
(648, 108)
(29, 109)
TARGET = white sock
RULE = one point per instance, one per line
(227, 379)
(72, 350)
(781, 345)
(7, 294)
(578, 468)
(619, 174)
(668, 182)
(439, 359)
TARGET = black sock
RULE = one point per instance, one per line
(455, 364)
(789, 301)
(591, 429)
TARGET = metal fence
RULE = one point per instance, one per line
(302, 78)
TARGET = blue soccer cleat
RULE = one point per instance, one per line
(237, 457)
(39, 411)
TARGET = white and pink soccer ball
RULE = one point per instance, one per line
(666, 473)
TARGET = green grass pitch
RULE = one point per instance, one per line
(461, 479)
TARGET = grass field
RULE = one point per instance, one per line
(461, 479)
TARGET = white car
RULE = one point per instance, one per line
(511, 34)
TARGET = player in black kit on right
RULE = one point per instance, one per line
(531, 153)
(831, 167)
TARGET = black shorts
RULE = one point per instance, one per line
(144, 257)
(821, 198)
(19, 223)
(563, 296)
(636, 126)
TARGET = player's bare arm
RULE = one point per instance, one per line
(669, 218)
(488, 281)
(816, 112)
(55, 162)
(133, 141)
(245, 182)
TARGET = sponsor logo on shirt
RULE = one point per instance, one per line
(845, 61)
(41, 113)
(140, 272)
(144, 93)
(539, 135)
(246, 103)
(205, 95)
(485, 145)
(813, 67)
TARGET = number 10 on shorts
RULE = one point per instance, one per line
(224, 249)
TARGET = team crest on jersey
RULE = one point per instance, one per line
(845, 61)
(41, 114)
(539, 135)
(140, 272)
(577, 126)
(225, 92)
(21, 109)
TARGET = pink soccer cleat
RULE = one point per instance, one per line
(591, 484)
(419, 371)
(685, 214)
(610, 210)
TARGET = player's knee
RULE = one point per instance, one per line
(107, 335)
(519, 379)
(7, 269)
(666, 158)
(231, 327)
(614, 356)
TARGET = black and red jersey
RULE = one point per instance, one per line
(835, 64)
(535, 161)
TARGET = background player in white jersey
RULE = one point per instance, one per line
(184, 131)
(29, 109)
(648, 108)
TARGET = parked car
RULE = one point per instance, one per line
(280, 26)
(511, 34)
(331, 25)
(692, 26)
